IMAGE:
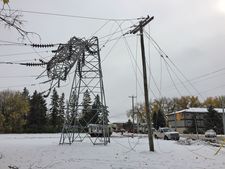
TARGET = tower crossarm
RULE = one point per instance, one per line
(67, 55)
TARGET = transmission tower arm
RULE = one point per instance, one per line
(66, 56)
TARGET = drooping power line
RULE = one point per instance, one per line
(75, 16)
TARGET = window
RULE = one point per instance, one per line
(188, 122)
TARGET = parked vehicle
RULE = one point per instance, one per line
(166, 134)
(143, 128)
(210, 135)
(96, 130)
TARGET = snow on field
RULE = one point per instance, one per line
(41, 151)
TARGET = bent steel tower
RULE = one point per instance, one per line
(87, 85)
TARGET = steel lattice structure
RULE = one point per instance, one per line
(84, 55)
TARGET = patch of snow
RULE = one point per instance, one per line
(197, 110)
(35, 151)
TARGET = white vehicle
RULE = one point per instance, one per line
(210, 135)
(166, 134)
(96, 130)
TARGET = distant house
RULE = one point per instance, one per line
(118, 126)
(183, 119)
(124, 126)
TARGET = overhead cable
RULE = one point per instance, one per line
(23, 53)
(173, 80)
(176, 67)
(75, 16)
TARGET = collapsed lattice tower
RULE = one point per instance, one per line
(84, 55)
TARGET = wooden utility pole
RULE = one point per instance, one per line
(132, 97)
(142, 24)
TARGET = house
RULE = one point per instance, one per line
(124, 126)
(183, 119)
(118, 126)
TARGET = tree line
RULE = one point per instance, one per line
(21, 112)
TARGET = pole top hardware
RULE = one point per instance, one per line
(142, 23)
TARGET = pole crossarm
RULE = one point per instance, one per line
(143, 24)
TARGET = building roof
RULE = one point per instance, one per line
(197, 110)
(119, 122)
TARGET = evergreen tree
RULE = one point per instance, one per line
(158, 119)
(96, 108)
(2, 120)
(36, 120)
(3, 115)
(70, 109)
(104, 113)
(213, 120)
(154, 120)
(25, 93)
(61, 110)
(54, 111)
(86, 112)
(128, 125)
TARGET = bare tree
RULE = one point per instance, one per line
(13, 19)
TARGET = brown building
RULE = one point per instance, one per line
(183, 119)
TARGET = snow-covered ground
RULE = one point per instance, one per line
(41, 151)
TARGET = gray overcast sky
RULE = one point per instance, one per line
(191, 32)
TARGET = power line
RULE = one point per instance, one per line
(131, 56)
(110, 50)
(100, 28)
(117, 31)
(135, 61)
(23, 53)
(25, 64)
(22, 85)
(176, 67)
(207, 74)
(207, 78)
(172, 80)
(177, 76)
(111, 35)
(75, 16)
(161, 52)
(28, 76)
(217, 87)
(113, 39)
(12, 43)
(185, 78)
(153, 79)
(203, 77)
(34, 45)
(20, 62)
